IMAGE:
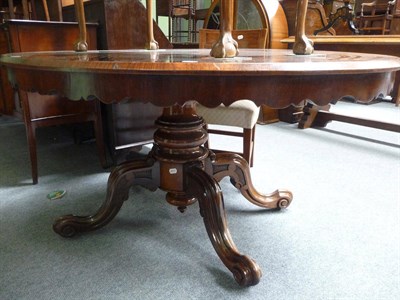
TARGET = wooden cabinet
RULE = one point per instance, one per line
(26, 35)
(46, 110)
(122, 25)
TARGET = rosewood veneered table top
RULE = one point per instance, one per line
(164, 77)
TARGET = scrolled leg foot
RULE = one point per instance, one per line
(119, 183)
(65, 228)
(206, 189)
(237, 168)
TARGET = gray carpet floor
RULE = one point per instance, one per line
(339, 239)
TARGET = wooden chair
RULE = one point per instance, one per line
(242, 113)
(178, 10)
(27, 9)
(49, 110)
(376, 17)
(181, 10)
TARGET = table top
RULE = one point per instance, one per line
(351, 39)
(277, 78)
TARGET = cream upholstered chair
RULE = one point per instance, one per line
(242, 113)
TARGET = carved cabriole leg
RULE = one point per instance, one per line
(302, 44)
(151, 42)
(81, 45)
(237, 168)
(143, 172)
(245, 271)
(226, 46)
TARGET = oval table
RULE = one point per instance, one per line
(175, 79)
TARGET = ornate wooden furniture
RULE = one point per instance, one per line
(42, 111)
(17, 9)
(178, 163)
(381, 44)
(319, 16)
(396, 20)
(317, 21)
(254, 14)
(242, 113)
(123, 25)
(376, 17)
(315, 116)
(32, 10)
(344, 14)
(176, 11)
(182, 9)
(388, 44)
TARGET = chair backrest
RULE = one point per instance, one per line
(247, 38)
(378, 8)
(376, 16)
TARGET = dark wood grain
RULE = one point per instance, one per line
(273, 77)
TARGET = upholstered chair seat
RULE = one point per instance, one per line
(242, 114)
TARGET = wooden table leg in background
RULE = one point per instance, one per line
(316, 116)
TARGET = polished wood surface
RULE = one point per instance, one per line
(382, 44)
(352, 39)
(248, 76)
(379, 44)
(179, 164)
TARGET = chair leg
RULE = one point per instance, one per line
(253, 137)
(31, 138)
(30, 129)
(25, 9)
(248, 142)
(11, 9)
(384, 27)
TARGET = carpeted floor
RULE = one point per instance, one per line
(340, 238)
